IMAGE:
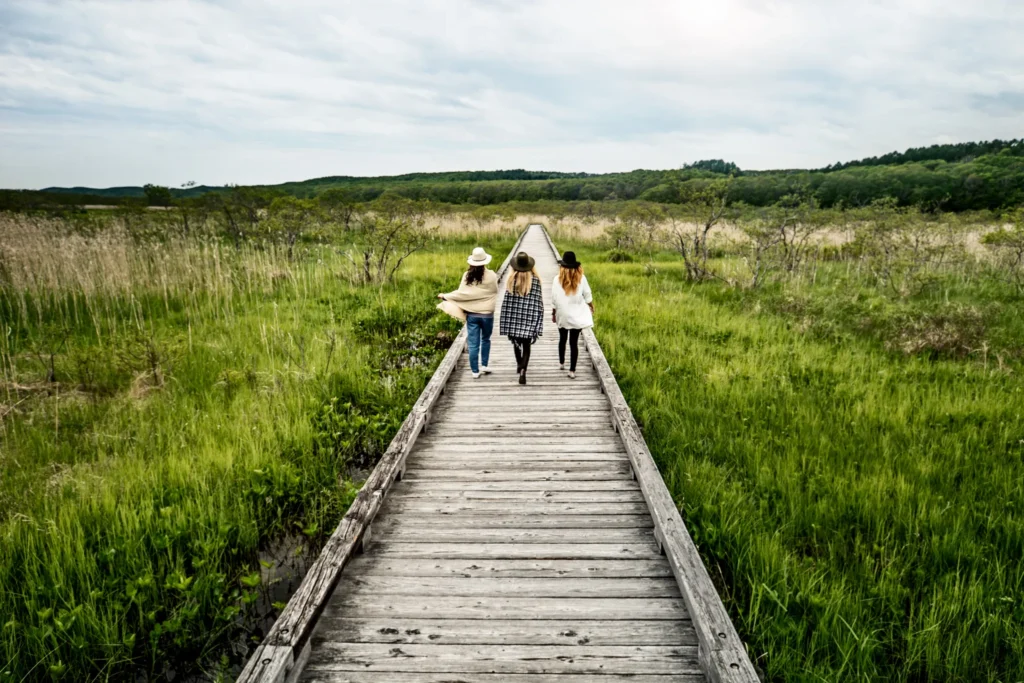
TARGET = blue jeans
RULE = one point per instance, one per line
(479, 328)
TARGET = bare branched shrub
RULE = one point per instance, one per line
(689, 227)
(384, 237)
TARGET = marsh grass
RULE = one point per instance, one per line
(170, 409)
(857, 498)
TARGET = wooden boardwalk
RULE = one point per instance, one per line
(515, 537)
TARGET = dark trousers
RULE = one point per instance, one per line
(521, 347)
(573, 337)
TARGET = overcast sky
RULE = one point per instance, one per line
(241, 91)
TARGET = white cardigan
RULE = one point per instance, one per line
(572, 311)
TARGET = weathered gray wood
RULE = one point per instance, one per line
(523, 447)
(512, 454)
(508, 632)
(493, 607)
(460, 507)
(470, 443)
(429, 494)
(513, 551)
(458, 659)
(411, 534)
(450, 677)
(519, 474)
(520, 521)
(510, 569)
(268, 664)
(492, 587)
(519, 485)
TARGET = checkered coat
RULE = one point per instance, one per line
(523, 316)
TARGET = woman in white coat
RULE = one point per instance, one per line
(574, 308)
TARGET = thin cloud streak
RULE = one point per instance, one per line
(117, 92)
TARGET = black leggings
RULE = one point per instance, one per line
(574, 352)
(521, 346)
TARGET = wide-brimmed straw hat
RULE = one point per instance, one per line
(523, 263)
(479, 257)
(569, 260)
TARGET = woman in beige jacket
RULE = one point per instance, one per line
(476, 298)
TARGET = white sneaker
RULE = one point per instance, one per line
(562, 366)
(572, 375)
(476, 375)
(485, 370)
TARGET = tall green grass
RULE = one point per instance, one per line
(201, 403)
(860, 507)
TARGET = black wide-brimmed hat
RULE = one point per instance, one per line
(569, 260)
(522, 262)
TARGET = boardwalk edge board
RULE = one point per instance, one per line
(282, 654)
(722, 655)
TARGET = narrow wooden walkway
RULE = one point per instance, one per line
(516, 544)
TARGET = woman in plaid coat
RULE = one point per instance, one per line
(522, 310)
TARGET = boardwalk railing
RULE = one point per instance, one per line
(283, 652)
(722, 655)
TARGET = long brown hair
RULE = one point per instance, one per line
(521, 282)
(475, 275)
(570, 278)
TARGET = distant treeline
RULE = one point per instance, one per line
(952, 153)
(961, 177)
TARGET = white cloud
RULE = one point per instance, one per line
(119, 92)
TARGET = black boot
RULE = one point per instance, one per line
(522, 376)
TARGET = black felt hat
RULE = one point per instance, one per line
(569, 260)
(522, 262)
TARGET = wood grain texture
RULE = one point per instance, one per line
(510, 569)
(471, 659)
(463, 677)
(508, 632)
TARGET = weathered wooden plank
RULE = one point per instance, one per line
(468, 463)
(268, 664)
(580, 659)
(597, 401)
(516, 485)
(492, 607)
(519, 474)
(412, 534)
(427, 493)
(525, 417)
(512, 551)
(525, 446)
(505, 632)
(470, 442)
(488, 587)
(450, 677)
(461, 507)
(517, 520)
(510, 453)
(509, 569)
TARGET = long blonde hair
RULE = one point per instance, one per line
(521, 285)
(570, 278)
